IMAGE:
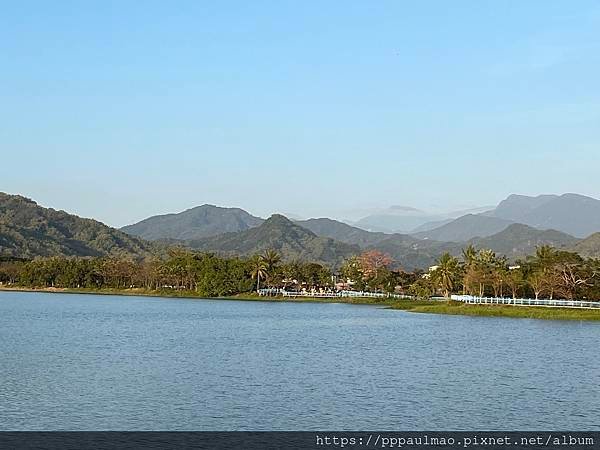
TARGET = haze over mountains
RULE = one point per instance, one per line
(515, 227)
(465, 228)
(406, 219)
(28, 230)
(573, 214)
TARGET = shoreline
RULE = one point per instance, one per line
(415, 306)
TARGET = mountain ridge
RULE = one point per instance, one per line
(193, 223)
(519, 240)
(466, 227)
(278, 233)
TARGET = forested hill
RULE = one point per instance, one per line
(28, 230)
(195, 223)
(342, 232)
(589, 247)
(292, 241)
(519, 240)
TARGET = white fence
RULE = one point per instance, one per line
(468, 299)
(327, 294)
(525, 302)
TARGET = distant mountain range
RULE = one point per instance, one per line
(573, 214)
(28, 230)
(513, 240)
(502, 229)
(407, 251)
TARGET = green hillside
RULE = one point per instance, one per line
(28, 230)
(589, 247)
(279, 233)
(195, 223)
(520, 240)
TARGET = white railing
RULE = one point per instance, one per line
(469, 299)
(327, 294)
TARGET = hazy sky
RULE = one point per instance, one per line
(121, 110)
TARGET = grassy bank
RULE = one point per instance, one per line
(416, 306)
(522, 312)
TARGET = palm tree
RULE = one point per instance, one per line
(469, 254)
(485, 265)
(259, 269)
(446, 273)
(271, 259)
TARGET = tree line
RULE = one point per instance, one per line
(206, 274)
(550, 273)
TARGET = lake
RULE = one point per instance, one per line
(89, 362)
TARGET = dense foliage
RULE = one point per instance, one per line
(370, 271)
(550, 273)
(205, 274)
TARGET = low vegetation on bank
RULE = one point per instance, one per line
(522, 312)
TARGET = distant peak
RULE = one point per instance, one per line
(404, 208)
(518, 226)
(205, 206)
(211, 207)
(278, 218)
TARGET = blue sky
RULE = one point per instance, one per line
(121, 110)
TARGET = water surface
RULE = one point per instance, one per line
(87, 362)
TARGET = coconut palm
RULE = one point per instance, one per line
(259, 269)
(485, 265)
(447, 271)
(469, 254)
(271, 259)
